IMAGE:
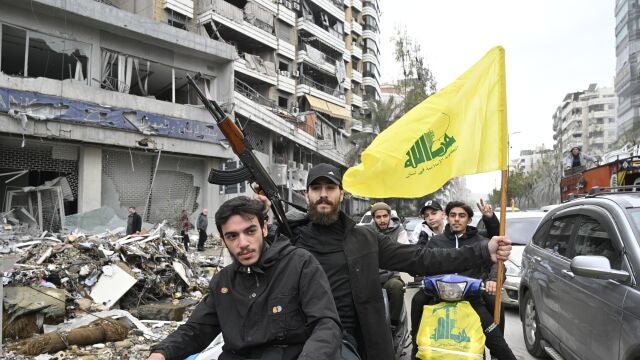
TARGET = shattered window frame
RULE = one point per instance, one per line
(138, 79)
(70, 53)
(239, 188)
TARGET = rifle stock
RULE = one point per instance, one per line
(252, 169)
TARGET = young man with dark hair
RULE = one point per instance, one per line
(352, 255)
(459, 234)
(273, 302)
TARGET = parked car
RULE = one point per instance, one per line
(520, 227)
(579, 288)
(410, 225)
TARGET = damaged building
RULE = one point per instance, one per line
(95, 110)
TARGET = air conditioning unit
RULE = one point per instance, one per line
(362, 112)
(295, 110)
(287, 4)
(296, 73)
(284, 73)
(296, 5)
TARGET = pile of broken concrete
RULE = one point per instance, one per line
(98, 296)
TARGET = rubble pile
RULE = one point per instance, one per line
(52, 280)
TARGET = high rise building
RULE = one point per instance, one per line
(96, 92)
(627, 80)
(587, 119)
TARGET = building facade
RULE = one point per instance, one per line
(627, 80)
(95, 92)
(587, 119)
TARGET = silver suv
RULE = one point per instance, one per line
(580, 297)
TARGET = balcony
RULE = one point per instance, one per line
(370, 33)
(356, 100)
(356, 51)
(254, 66)
(371, 11)
(318, 59)
(331, 7)
(232, 17)
(286, 15)
(356, 76)
(356, 27)
(335, 41)
(357, 4)
(287, 50)
(372, 57)
(308, 86)
(286, 82)
(184, 7)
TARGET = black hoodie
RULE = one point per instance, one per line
(280, 308)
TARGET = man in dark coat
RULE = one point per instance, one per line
(390, 280)
(351, 256)
(134, 221)
(273, 303)
(202, 225)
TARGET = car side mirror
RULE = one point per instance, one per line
(597, 267)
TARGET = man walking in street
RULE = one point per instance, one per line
(201, 225)
(134, 221)
(351, 256)
(272, 303)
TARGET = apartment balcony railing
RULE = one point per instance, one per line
(357, 4)
(356, 27)
(330, 38)
(356, 51)
(356, 100)
(250, 93)
(333, 91)
(356, 76)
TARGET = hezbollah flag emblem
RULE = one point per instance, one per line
(460, 130)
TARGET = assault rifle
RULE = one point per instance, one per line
(251, 170)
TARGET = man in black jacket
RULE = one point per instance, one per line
(459, 234)
(351, 256)
(273, 303)
(134, 221)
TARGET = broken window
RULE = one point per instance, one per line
(132, 75)
(47, 56)
(14, 42)
(57, 58)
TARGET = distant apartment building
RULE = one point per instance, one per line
(587, 119)
(527, 160)
(96, 92)
(627, 80)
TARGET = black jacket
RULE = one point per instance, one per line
(134, 223)
(366, 251)
(447, 240)
(280, 309)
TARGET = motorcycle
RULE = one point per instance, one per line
(450, 328)
(401, 338)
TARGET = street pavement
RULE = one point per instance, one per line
(513, 329)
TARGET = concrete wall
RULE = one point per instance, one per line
(89, 179)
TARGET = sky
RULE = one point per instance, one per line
(552, 48)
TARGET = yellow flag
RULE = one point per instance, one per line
(460, 130)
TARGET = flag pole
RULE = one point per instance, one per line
(503, 223)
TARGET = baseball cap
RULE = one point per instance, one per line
(324, 170)
(431, 204)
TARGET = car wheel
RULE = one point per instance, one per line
(531, 327)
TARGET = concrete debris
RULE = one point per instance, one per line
(56, 283)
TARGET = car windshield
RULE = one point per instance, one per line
(411, 224)
(635, 216)
(520, 230)
(366, 219)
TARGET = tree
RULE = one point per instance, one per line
(418, 82)
(381, 115)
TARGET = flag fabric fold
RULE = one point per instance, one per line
(460, 130)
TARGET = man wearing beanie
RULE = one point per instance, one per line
(390, 280)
